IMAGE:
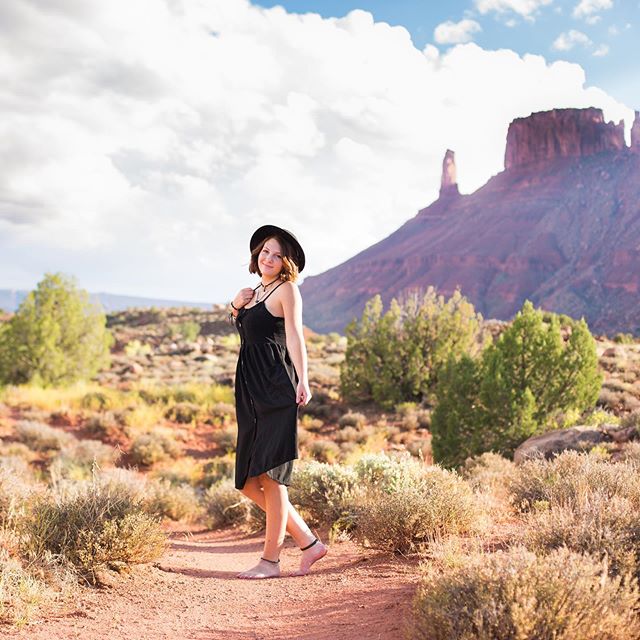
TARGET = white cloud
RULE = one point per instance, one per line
(525, 8)
(143, 142)
(601, 51)
(568, 40)
(456, 32)
(586, 9)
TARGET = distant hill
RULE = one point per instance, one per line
(10, 300)
(560, 226)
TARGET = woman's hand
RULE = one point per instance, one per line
(243, 297)
(303, 394)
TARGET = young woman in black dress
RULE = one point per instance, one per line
(271, 382)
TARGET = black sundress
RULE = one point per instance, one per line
(265, 390)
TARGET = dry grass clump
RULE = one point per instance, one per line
(412, 505)
(489, 472)
(221, 413)
(95, 526)
(216, 469)
(595, 523)
(325, 492)
(517, 595)
(97, 401)
(412, 417)
(570, 475)
(204, 395)
(105, 426)
(631, 454)
(584, 503)
(78, 460)
(183, 412)
(21, 593)
(16, 484)
(324, 450)
(41, 437)
(352, 419)
(149, 448)
(310, 423)
(225, 505)
(225, 438)
(177, 502)
(631, 420)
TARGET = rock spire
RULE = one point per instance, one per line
(449, 180)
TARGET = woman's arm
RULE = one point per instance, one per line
(292, 308)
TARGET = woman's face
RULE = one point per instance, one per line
(270, 258)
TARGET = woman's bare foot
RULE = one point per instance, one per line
(309, 556)
(264, 569)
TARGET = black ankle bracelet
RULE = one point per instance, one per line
(271, 561)
(309, 545)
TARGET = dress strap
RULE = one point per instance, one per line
(272, 290)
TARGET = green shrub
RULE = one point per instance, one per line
(96, 526)
(216, 469)
(396, 357)
(96, 401)
(183, 412)
(56, 337)
(41, 437)
(516, 595)
(416, 509)
(187, 330)
(515, 389)
(149, 448)
(324, 491)
(135, 348)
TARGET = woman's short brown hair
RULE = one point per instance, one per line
(289, 267)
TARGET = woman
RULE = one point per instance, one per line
(271, 382)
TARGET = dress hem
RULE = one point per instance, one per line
(255, 475)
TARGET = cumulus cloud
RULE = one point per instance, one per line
(569, 39)
(601, 51)
(525, 8)
(586, 9)
(456, 32)
(144, 141)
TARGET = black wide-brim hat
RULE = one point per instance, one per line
(269, 230)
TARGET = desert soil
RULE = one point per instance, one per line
(192, 593)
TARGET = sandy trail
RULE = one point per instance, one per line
(192, 593)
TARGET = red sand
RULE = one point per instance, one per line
(192, 593)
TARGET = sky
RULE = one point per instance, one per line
(141, 143)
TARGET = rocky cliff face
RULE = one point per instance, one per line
(560, 227)
(560, 133)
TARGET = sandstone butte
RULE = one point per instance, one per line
(560, 226)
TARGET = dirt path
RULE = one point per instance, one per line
(192, 593)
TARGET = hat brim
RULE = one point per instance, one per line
(269, 230)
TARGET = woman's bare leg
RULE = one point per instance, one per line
(254, 489)
(296, 526)
(275, 497)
